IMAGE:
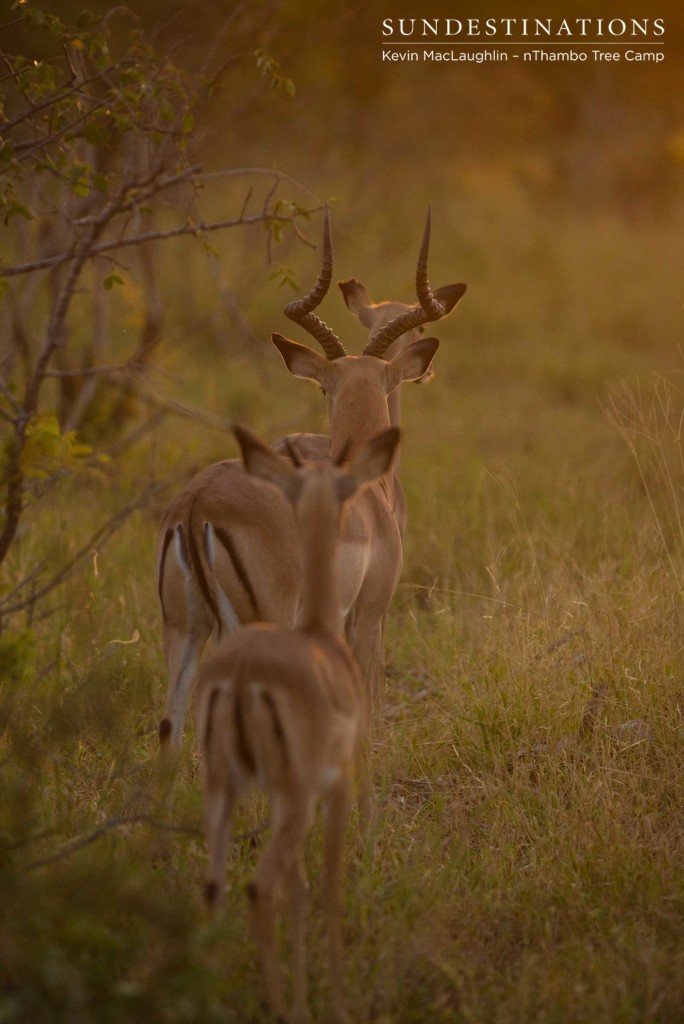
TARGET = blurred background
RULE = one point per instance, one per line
(556, 190)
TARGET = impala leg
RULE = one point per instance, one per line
(219, 801)
(364, 787)
(367, 648)
(350, 627)
(336, 816)
(380, 663)
(182, 651)
(290, 824)
(299, 898)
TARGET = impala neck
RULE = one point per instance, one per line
(318, 515)
(394, 407)
(356, 420)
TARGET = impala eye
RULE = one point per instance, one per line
(421, 330)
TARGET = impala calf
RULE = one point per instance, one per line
(285, 711)
(227, 552)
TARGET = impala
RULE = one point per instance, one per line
(286, 711)
(375, 316)
(227, 552)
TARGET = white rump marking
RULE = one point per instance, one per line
(331, 776)
(209, 540)
(229, 618)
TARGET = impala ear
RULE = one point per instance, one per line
(302, 361)
(262, 462)
(373, 460)
(449, 296)
(358, 300)
(412, 363)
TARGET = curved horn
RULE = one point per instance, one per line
(429, 309)
(301, 309)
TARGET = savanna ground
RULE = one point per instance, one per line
(528, 763)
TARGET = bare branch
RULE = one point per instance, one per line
(162, 403)
(27, 149)
(267, 200)
(90, 371)
(89, 838)
(150, 236)
(243, 211)
(150, 185)
(206, 91)
(218, 38)
(185, 411)
(136, 435)
(11, 24)
(27, 580)
(247, 172)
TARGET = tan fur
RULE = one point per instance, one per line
(285, 711)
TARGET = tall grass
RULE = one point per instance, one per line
(528, 762)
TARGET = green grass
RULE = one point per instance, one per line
(526, 869)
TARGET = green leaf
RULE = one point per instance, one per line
(166, 110)
(111, 280)
(47, 451)
(100, 182)
(284, 276)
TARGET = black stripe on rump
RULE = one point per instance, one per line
(210, 715)
(196, 561)
(277, 724)
(239, 566)
(162, 563)
(245, 752)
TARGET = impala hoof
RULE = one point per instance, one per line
(211, 894)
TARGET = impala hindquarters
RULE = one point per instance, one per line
(225, 557)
